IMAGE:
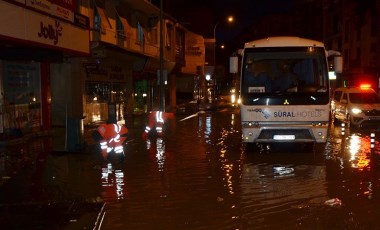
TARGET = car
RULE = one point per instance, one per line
(357, 107)
(231, 97)
(235, 98)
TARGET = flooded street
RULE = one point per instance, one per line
(201, 177)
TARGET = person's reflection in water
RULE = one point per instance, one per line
(157, 148)
(112, 183)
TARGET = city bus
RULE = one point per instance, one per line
(285, 91)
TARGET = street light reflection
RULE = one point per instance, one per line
(359, 149)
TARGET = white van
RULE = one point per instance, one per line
(356, 106)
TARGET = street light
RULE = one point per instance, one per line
(230, 19)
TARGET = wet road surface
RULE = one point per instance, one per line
(201, 177)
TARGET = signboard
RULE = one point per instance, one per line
(29, 25)
(60, 8)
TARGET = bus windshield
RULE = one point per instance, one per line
(284, 71)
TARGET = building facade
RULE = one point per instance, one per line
(348, 26)
(76, 63)
(352, 28)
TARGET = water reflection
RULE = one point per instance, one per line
(160, 155)
(112, 183)
(202, 178)
(274, 193)
(157, 148)
(353, 176)
(204, 127)
(229, 163)
(359, 149)
(353, 149)
(220, 135)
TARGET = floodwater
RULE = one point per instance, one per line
(200, 176)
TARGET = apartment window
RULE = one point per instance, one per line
(374, 26)
(373, 48)
(336, 24)
(152, 36)
(358, 35)
(101, 22)
(373, 57)
(140, 34)
(97, 20)
(339, 44)
(180, 43)
(169, 35)
(119, 28)
(358, 55)
(346, 31)
(346, 56)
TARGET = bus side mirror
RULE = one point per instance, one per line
(338, 64)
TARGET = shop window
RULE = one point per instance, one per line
(119, 96)
(97, 98)
(22, 96)
(140, 96)
(97, 92)
(118, 92)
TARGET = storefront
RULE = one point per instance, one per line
(108, 93)
(21, 108)
(106, 100)
(147, 85)
(37, 39)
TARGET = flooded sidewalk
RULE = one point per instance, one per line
(37, 190)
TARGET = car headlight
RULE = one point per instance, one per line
(233, 98)
(356, 111)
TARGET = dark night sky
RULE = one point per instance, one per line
(247, 12)
(200, 16)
